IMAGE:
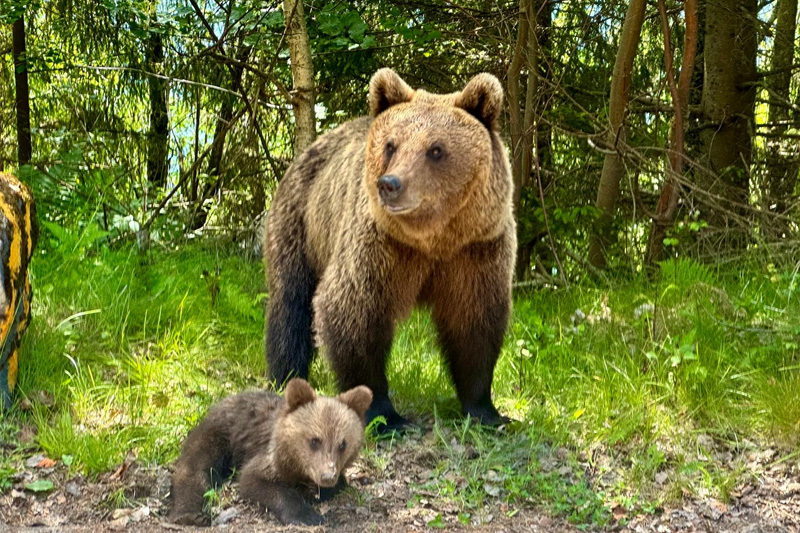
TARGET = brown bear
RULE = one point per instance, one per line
(275, 444)
(410, 205)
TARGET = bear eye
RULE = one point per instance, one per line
(315, 443)
(435, 152)
(343, 446)
(390, 148)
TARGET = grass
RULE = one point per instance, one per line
(622, 395)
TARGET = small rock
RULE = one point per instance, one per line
(561, 453)
(120, 513)
(32, 462)
(705, 441)
(661, 477)
(73, 489)
(140, 514)
(226, 516)
(491, 490)
(119, 524)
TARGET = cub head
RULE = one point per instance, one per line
(318, 437)
(429, 155)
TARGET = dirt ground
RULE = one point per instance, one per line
(134, 498)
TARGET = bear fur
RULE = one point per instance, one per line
(411, 205)
(275, 444)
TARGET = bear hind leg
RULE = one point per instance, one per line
(289, 344)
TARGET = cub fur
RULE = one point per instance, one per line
(412, 205)
(275, 444)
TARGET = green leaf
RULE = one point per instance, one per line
(437, 522)
(42, 485)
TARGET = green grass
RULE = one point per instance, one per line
(622, 395)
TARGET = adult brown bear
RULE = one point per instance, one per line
(410, 205)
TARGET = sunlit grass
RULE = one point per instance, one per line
(634, 381)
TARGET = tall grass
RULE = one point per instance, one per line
(637, 379)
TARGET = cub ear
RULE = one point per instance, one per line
(298, 393)
(386, 89)
(483, 99)
(358, 399)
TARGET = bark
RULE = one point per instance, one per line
(667, 207)
(729, 91)
(515, 116)
(22, 92)
(613, 165)
(522, 115)
(302, 75)
(782, 154)
(158, 135)
(214, 167)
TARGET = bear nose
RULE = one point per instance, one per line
(389, 187)
(328, 477)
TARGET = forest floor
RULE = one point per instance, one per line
(135, 498)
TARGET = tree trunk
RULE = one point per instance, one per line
(22, 92)
(667, 207)
(305, 130)
(158, 136)
(728, 110)
(781, 154)
(613, 166)
(522, 117)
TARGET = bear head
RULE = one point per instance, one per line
(317, 437)
(429, 156)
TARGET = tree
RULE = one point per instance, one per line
(22, 98)
(521, 115)
(158, 134)
(302, 75)
(613, 165)
(729, 90)
(782, 154)
(667, 206)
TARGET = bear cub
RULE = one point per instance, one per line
(276, 445)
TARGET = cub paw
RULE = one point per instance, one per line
(190, 519)
(302, 516)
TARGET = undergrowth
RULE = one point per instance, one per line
(621, 395)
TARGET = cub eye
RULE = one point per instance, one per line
(343, 446)
(315, 443)
(390, 148)
(435, 152)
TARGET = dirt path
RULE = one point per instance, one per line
(134, 498)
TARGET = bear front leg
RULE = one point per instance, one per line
(354, 322)
(201, 452)
(471, 298)
(280, 499)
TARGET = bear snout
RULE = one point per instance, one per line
(390, 188)
(329, 477)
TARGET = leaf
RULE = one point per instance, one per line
(42, 485)
(67, 460)
(46, 463)
(437, 522)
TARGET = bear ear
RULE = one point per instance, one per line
(298, 393)
(358, 399)
(483, 99)
(386, 89)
